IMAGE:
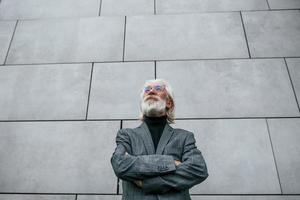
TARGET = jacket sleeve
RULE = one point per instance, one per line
(130, 168)
(190, 172)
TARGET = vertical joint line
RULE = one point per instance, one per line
(124, 39)
(155, 69)
(88, 101)
(154, 7)
(76, 197)
(273, 154)
(268, 4)
(13, 35)
(118, 186)
(100, 7)
(287, 68)
(118, 180)
(245, 34)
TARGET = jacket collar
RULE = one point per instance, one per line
(147, 139)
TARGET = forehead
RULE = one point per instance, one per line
(154, 84)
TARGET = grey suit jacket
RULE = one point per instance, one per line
(161, 178)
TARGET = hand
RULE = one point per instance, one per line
(177, 162)
(139, 183)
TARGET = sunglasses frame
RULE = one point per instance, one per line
(155, 88)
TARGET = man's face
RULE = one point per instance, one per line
(154, 92)
(155, 100)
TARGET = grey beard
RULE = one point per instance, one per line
(153, 108)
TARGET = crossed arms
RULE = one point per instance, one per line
(159, 173)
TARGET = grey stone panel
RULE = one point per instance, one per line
(230, 88)
(238, 155)
(68, 40)
(273, 33)
(248, 197)
(189, 36)
(188, 6)
(99, 197)
(6, 32)
(116, 87)
(44, 92)
(36, 9)
(285, 138)
(127, 7)
(57, 157)
(35, 197)
(284, 4)
(294, 68)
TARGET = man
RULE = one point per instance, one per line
(154, 160)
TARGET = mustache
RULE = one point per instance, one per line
(151, 97)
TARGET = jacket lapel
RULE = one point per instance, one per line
(147, 139)
(165, 137)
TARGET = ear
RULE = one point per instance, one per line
(169, 103)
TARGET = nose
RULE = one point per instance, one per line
(152, 91)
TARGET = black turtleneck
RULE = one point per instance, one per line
(156, 126)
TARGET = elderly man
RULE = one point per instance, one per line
(154, 160)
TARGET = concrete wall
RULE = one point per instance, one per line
(71, 72)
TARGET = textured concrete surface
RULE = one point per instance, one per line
(190, 36)
(126, 7)
(294, 69)
(271, 197)
(35, 197)
(37, 9)
(285, 136)
(44, 92)
(57, 157)
(68, 40)
(71, 72)
(6, 32)
(273, 33)
(282, 4)
(116, 87)
(189, 6)
(99, 197)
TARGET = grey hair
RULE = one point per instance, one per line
(170, 112)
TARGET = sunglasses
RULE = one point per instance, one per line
(156, 88)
